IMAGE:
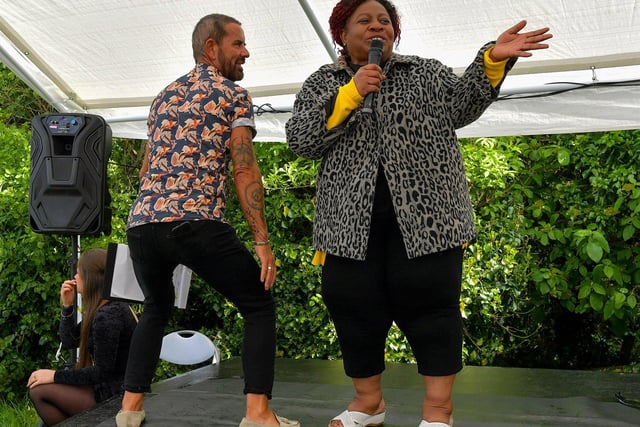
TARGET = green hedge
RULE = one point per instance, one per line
(554, 276)
(551, 281)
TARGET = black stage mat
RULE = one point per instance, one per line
(313, 391)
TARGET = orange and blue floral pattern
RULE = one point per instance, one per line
(189, 127)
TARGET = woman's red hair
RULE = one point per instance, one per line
(343, 11)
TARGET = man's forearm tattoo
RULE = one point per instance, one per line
(243, 152)
(254, 196)
(253, 191)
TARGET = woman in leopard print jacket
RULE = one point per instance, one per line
(393, 209)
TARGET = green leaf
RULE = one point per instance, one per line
(564, 157)
(584, 292)
(609, 271)
(544, 239)
(608, 310)
(628, 232)
(594, 251)
(599, 289)
(596, 302)
(619, 300)
(544, 288)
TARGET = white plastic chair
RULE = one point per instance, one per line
(188, 348)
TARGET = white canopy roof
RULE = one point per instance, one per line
(112, 57)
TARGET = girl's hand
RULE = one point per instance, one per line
(41, 376)
(67, 292)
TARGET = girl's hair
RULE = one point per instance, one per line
(91, 266)
(209, 27)
(343, 11)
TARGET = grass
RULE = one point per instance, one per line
(18, 414)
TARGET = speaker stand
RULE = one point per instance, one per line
(75, 255)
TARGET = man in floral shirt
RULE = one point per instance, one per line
(199, 126)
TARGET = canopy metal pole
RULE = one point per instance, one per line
(324, 38)
(19, 62)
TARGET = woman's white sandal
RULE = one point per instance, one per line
(424, 423)
(281, 420)
(359, 419)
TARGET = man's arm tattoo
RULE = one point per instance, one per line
(254, 212)
(243, 150)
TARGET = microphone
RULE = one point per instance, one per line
(375, 53)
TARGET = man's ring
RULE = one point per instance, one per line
(269, 268)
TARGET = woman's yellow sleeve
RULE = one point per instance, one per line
(494, 70)
(318, 258)
(347, 100)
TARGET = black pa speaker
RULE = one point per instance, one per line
(68, 191)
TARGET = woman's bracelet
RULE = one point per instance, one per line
(69, 311)
(265, 243)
